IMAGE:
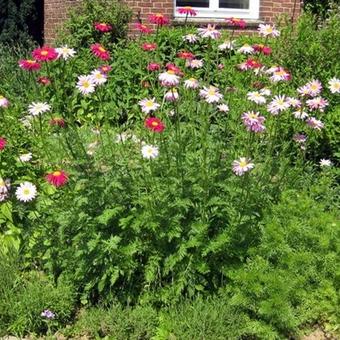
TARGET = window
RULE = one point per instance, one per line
(246, 9)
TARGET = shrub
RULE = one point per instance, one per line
(24, 296)
(79, 31)
(118, 221)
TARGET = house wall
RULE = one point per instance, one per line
(55, 12)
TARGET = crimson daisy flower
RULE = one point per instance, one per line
(158, 19)
(236, 22)
(102, 27)
(3, 143)
(154, 124)
(185, 55)
(29, 65)
(187, 10)
(143, 28)
(149, 46)
(57, 178)
(45, 53)
(153, 67)
(44, 80)
(105, 68)
(174, 68)
(100, 52)
(56, 121)
(266, 50)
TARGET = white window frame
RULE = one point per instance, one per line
(213, 11)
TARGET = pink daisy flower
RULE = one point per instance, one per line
(253, 121)
(236, 22)
(211, 94)
(209, 32)
(315, 123)
(143, 28)
(4, 102)
(317, 103)
(314, 87)
(169, 78)
(99, 51)
(102, 27)
(45, 53)
(149, 46)
(29, 65)
(241, 166)
(158, 19)
(3, 143)
(187, 10)
(57, 178)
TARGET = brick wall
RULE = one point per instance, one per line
(56, 11)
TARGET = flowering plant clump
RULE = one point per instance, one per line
(143, 170)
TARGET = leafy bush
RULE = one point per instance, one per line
(24, 296)
(121, 223)
(15, 20)
(79, 31)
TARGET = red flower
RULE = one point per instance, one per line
(102, 27)
(105, 68)
(266, 50)
(187, 10)
(153, 67)
(158, 19)
(100, 52)
(43, 80)
(154, 124)
(45, 53)
(236, 22)
(149, 46)
(143, 28)
(57, 122)
(173, 67)
(185, 55)
(3, 143)
(29, 65)
(57, 178)
(252, 63)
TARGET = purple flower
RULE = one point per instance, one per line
(253, 121)
(47, 314)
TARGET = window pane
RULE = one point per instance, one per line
(197, 3)
(242, 4)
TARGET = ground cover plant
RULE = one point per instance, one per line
(164, 170)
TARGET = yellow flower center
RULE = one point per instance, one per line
(86, 84)
(171, 72)
(30, 61)
(243, 164)
(211, 92)
(159, 15)
(188, 8)
(280, 73)
(26, 191)
(56, 173)
(149, 103)
(102, 49)
(154, 123)
(44, 53)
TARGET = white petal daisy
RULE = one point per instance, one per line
(26, 192)
(35, 109)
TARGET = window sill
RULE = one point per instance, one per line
(251, 23)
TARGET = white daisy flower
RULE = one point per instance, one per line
(241, 166)
(315, 87)
(27, 121)
(171, 95)
(256, 97)
(149, 151)
(246, 49)
(169, 78)
(191, 38)
(268, 30)
(98, 77)
(85, 84)
(265, 92)
(278, 104)
(35, 109)
(334, 85)
(26, 157)
(194, 63)
(209, 32)
(227, 45)
(191, 83)
(223, 108)
(26, 192)
(211, 94)
(300, 114)
(325, 162)
(65, 52)
(148, 105)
